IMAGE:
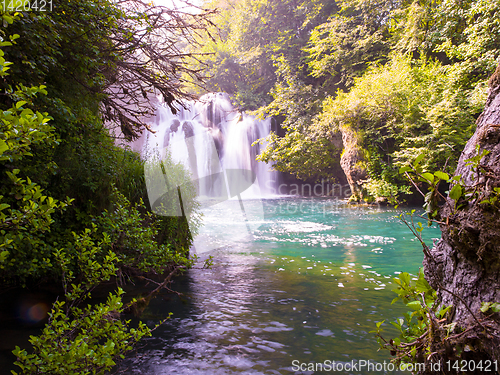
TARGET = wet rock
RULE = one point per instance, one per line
(175, 125)
(187, 128)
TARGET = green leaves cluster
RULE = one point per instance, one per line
(460, 193)
(88, 341)
(25, 209)
(419, 323)
(434, 333)
(133, 233)
(396, 112)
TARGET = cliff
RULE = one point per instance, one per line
(352, 162)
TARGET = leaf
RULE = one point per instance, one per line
(413, 351)
(404, 169)
(414, 305)
(450, 327)
(428, 176)
(485, 306)
(419, 227)
(3, 146)
(398, 326)
(419, 159)
(422, 285)
(442, 175)
(443, 311)
(405, 278)
(20, 104)
(493, 306)
(456, 192)
(3, 256)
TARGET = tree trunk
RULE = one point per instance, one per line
(465, 263)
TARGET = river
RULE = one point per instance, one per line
(307, 287)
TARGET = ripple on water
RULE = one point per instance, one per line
(269, 301)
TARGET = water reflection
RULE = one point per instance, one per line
(309, 287)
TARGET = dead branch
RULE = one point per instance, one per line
(148, 59)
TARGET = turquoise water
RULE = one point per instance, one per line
(307, 286)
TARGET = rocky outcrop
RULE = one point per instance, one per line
(464, 266)
(352, 162)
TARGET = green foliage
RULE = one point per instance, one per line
(406, 77)
(25, 209)
(381, 189)
(71, 205)
(425, 99)
(253, 36)
(209, 262)
(75, 340)
(434, 333)
(88, 341)
(46, 159)
(131, 235)
(490, 307)
(80, 340)
(416, 175)
(460, 192)
(305, 157)
(396, 113)
(339, 49)
(468, 32)
(416, 325)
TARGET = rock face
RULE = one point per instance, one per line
(352, 162)
(466, 261)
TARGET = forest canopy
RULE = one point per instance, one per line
(366, 85)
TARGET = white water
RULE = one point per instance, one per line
(214, 142)
(210, 136)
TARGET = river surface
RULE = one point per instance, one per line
(308, 286)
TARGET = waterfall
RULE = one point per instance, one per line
(213, 140)
(208, 126)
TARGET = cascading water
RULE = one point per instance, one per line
(213, 141)
(192, 134)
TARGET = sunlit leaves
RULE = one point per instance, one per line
(490, 307)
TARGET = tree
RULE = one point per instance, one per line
(253, 36)
(82, 242)
(122, 53)
(386, 116)
(396, 112)
(341, 48)
(456, 304)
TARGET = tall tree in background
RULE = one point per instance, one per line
(253, 37)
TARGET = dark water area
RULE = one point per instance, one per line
(307, 287)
